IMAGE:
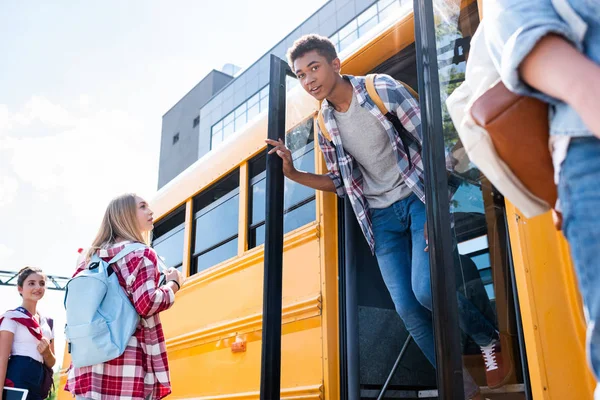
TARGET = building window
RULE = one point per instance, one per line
(363, 23)
(176, 138)
(168, 236)
(196, 121)
(352, 31)
(299, 200)
(238, 118)
(216, 213)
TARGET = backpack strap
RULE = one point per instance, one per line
(126, 250)
(160, 264)
(404, 135)
(370, 83)
(322, 127)
(50, 323)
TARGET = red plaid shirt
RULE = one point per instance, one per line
(143, 369)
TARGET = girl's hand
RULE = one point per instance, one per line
(43, 346)
(173, 274)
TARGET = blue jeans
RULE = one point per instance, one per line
(26, 373)
(579, 192)
(404, 264)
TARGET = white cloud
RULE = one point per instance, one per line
(84, 101)
(39, 108)
(101, 152)
(8, 189)
(4, 119)
(5, 252)
(59, 184)
(38, 117)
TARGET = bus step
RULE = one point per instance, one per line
(391, 394)
(507, 392)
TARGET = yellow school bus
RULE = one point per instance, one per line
(341, 336)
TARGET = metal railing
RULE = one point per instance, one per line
(55, 282)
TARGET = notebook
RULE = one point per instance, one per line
(10, 393)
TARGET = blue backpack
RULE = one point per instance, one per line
(100, 316)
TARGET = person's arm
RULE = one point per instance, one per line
(322, 182)
(539, 54)
(148, 298)
(6, 341)
(556, 68)
(46, 349)
(315, 181)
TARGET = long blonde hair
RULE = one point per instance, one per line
(119, 222)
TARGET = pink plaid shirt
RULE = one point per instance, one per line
(143, 368)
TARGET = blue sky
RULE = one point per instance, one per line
(83, 87)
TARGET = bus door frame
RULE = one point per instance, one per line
(443, 285)
(270, 378)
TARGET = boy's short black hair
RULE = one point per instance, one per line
(306, 43)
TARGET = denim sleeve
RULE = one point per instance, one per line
(512, 29)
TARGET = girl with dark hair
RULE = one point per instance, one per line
(26, 340)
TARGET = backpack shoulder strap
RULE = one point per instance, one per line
(322, 127)
(50, 323)
(160, 264)
(370, 83)
(126, 250)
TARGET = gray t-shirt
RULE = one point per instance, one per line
(365, 138)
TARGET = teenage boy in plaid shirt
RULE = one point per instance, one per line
(368, 162)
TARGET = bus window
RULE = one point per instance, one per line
(216, 213)
(256, 200)
(167, 238)
(299, 203)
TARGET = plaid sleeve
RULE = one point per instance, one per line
(395, 96)
(148, 298)
(331, 160)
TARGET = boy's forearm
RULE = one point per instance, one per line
(318, 182)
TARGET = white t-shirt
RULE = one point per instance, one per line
(24, 343)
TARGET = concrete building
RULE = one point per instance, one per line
(221, 105)
(179, 135)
